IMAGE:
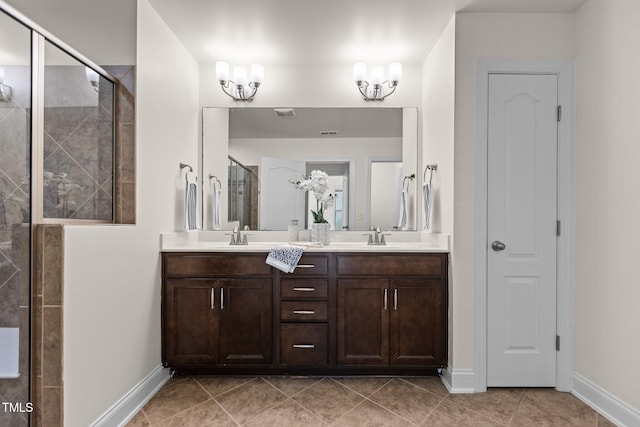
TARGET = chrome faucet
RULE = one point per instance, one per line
(377, 237)
(237, 238)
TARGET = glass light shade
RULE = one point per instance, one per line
(222, 70)
(2, 75)
(257, 73)
(92, 76)
(395, 71)
(359, 71)
(377, 75)
(239, 76)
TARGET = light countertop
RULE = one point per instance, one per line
(264, 241)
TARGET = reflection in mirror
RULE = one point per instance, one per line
(282, 145)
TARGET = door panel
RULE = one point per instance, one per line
(522, 214)
(416, 329)
(280, 202)
(245, 321)
(363, 322)
(191, 322)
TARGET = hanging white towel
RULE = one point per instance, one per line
(426, 198)
(403, 210)
(216, 205)
(191, 204)
(285, 258)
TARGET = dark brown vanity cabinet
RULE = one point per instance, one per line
(337, 314)
(304, 314)
(216, 311)
(391, 310)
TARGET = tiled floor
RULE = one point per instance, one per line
(350, 402)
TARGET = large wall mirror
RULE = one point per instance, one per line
(251, 155)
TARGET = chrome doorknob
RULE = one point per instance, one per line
(497, 245)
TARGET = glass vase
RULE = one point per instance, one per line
(320, 233)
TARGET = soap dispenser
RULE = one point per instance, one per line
(293, 231)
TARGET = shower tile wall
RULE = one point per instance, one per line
(15, 231)
(125, 149)
(78, 146)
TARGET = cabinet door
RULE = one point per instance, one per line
(246, 321)
(190, 322)
(363, 322)
(417, 322)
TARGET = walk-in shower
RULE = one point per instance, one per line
(56, 166)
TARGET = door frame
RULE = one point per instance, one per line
(565, 245)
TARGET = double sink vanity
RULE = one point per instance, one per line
(348, 308)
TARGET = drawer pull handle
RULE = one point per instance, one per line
(304, 289)
(395, 299)
(303, 346)
(385, 300)
(305, 266)
(304, 312)
(221, 298)
(213, 299)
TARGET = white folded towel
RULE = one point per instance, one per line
(191, 205)
(285, 258)
(404, 210)
(216, 203)
(426, 198)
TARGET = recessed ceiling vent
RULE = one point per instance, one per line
(285, 112)
(328, 132)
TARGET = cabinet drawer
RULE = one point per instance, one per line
(392, 265)
(305, 288)
(312, 264)
(303, 310)
(304, 344)
(205, 264)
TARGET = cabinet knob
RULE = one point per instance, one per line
(498, 246)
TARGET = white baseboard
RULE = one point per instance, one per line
(459, 380)
(602, 401)
(128, 406)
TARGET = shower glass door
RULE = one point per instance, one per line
(15, 222)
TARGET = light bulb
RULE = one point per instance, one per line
(239, 76)
(222, 71)
(395, 71)
(359, 71)
(377, 75)
(257, 73)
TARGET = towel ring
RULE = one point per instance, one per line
(212, 176)
(431, 168)
(409, 177)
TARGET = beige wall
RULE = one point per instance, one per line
(438, 97)
(607, 199)
(112, 273)
(486, 36)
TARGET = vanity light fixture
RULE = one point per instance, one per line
(239, 88)
(374, 89)
(93, 78)
(5, 90)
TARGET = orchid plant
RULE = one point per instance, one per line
(316, 182)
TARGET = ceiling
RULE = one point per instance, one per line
(327, 31)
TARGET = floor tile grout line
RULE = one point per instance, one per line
(516, 408)
(433, 410)
(473, 410)
(361, 394)
(146, 418)
(298, 392)
(416, 385)
(235, 387)
(313, 413)
(278, 404)
(270, 407)
(183, 410)
(392, 412)
(225, 410)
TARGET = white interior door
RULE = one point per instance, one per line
(522, 215)
(280, 201)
